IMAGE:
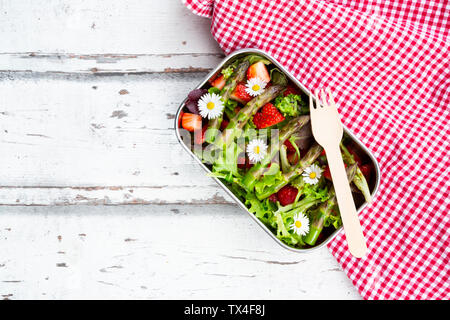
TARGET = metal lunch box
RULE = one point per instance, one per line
(373, 184)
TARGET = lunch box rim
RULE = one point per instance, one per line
(230, 193)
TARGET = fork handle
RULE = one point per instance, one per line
(352, 227)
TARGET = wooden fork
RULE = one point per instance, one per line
(327, 130)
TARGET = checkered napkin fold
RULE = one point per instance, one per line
(388, 63)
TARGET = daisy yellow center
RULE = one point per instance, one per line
(210, 105)
(298, 224)
(312, 175)
(256, 87)
(256, 150)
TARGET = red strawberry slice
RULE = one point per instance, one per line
(258, 70)
(269, 116)
(244, 163)
(191, 122)
(240, 95)
(293, 157)
(219, 83)
(199, 135)
(273, 197)
(289, 146)
(180, 117)
(287, 194)
(355, 155)
(224, 124)
(366, 170)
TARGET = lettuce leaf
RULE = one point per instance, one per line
(270, 178)
(278, 77)
(254, 58)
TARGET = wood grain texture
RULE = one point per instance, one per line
(103, 27)
(155, 252)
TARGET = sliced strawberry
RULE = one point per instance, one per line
(258, 70)
(191, 122)
(214, 76)
(292, 157)
(268, 116)
(273, 197)
(240, 95)
(199, 135)
(327, 173)
(224, 124)
(244, 163)
(355, 155)
(291, 90)
(366, 170)
(179, 118)
(219, 83)
(287, 195)
(289, 146)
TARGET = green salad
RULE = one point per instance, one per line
(250, 125)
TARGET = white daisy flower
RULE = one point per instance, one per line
(210, 106)
(255, 86)
(256, 150)
(300, 224)
(312, 174)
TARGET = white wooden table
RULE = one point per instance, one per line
(92, 201)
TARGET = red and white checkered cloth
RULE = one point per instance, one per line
(388, 63)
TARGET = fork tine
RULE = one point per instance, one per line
(330, 97)
(311, 104)
(316, 95)
(324, 98)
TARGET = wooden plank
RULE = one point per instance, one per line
(155, 252)
(101, 26)
(107, 64)
(113, 195)
(85, 139)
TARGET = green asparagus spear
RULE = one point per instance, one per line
(311, 156)
(252, 176)
(238, 76)
(359, 180)
(324, 211)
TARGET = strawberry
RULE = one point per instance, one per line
(290, 90)
(180, 117)
(327, 173)
(191, 122)
(224, 124)
(292, 157)
(273, 197)
(290, 147)
(199, 136)
(269, 116)
(258, 70)
(287, 195)
(355, 155)
(240, 95)
(244, 163)
(219, 83)
(366, 170)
